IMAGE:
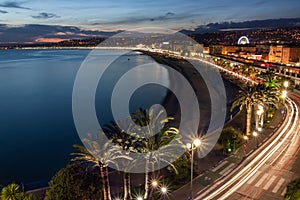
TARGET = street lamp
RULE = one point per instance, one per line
(192, 146)
(259, 129)
(164, 191)
(154, 183)
(255, 134)
(140, 198)
(286, 84)
(259, 113)
(245, 144)
(284, 94)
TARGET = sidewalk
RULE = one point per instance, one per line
(215, 166)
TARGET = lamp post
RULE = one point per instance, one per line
(284, 94)
(192, 146)
(286, 84)
(164, 191)
(245, 144)
(154, 185)
(259, 117)
(255, 134)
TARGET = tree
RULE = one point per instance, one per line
(13, 192)
(293, 190)
(127, 142)
(254, 96)
(75, 182)
(270, 80)
(230, 138)
(159, 137)
(246, 99)
(99, 157)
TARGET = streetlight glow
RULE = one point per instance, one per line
(286, 84)
(246, 137)
(284, 93)
(164, 190)
(260, 107)
(189, 145)
(140, 198)
(255, 134)
(259, 129)
(154, 183)
(197, 142)
(259, 112)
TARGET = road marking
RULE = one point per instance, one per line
(228, 171)
(207, 191)
(219, 166)
(261, 180)
(254, 177)
(278, 185)
(272, 179)
(227, 168)
(265, 139)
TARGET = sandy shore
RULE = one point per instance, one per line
(199, 86)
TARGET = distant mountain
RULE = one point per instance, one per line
(244, 26)
(38, 33)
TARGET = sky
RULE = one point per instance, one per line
(112, 15)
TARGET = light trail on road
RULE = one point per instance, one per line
(250, 169)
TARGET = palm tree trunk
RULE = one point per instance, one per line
(127, 192)
(256, 117)
(146, 179)
(105, 182)
(248, 122)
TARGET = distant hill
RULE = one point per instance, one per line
(244, 26)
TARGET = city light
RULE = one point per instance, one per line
(286, 84)
(246, 137)
(255, 134)
(164, 190)
(188, 145)
(140, 198)
(197, 142)
(259, 112)
(284, 94)
(154, 183)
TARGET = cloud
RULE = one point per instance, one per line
(45, 33)
(44, 15)
(13, 4)
(3, 11)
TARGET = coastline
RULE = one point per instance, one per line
(191, 74)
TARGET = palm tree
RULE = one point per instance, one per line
(13, 192)
(254, 96)
(100, 156)
(247, 99)
(158, 140)
(270, 80)
(128, 143)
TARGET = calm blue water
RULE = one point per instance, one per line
(36, 124)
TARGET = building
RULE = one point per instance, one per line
(284, 54)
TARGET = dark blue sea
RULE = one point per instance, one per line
(36, 123)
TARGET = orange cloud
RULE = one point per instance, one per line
(48, 39)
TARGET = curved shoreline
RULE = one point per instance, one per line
(195, 80)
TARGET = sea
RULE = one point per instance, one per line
(36, 123)
(37, 130)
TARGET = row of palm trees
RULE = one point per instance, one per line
(132, 140)
(263, 94)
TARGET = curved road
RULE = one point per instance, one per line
(265, 173)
